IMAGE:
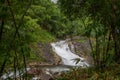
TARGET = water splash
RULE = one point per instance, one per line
(62, 49)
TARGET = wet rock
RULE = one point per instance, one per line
(81, 47)
(49, 55)
(33, 71)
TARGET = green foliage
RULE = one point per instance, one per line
(72, 8)
(49, 17)
(109, 73)
(17, 31)
(102, 24)
(34, 30)
(26, 22)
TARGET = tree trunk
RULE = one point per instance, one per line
(1, 29)
(114, 32)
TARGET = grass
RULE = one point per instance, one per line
(111, 72)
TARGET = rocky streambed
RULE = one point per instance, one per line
(78, 45)
(52, 64)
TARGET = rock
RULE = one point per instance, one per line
(81, 47)
(33, 71)
(45, 77)
(57, 59)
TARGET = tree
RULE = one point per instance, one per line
(49, 17)
(14, 45)
(103, 13)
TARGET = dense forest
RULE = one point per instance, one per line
(25, 23)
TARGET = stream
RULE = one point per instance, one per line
(68, 57)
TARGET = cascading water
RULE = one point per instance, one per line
(55, 1)
(68, 57)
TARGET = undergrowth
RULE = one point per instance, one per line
(111, 72)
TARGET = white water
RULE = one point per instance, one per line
(55, 1)
(68, 57)
(12, 74)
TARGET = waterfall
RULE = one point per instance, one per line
(62, 49)
(67, 55)
(55, 1)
